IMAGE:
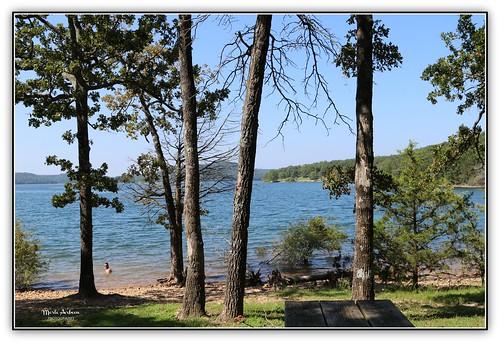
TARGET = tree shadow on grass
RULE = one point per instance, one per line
(66, 310)
(112, 319)
(74, 301)
(476, 296)
(134, 316)
(443, 312)
(106, 319)
(296, 292)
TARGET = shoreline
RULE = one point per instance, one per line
(158, 305)
(214, 289)
(33, 301)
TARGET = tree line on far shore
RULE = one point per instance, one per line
(467, 170)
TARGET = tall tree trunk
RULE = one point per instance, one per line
(178, 211)
(86, 287)
(178, 186)
(175, 229)
(235, 281)
(363, 276)
(194, 295)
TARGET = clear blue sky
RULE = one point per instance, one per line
(401, 111)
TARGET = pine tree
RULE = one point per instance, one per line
(425, 223)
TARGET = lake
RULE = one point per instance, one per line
(138, 250)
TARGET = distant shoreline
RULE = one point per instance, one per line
(311, 180)
(469, 186)
(277, 181)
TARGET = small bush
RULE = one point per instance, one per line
(301, 240)
(28, 262)
(344, 283)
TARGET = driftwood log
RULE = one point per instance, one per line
(328, 276)
(276, 279)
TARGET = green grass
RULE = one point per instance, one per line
(462, 307)
(269, 314)
(429, 307)
(314, 294)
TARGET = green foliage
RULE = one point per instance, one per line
(301, 240)
(155, 90)
(338, 181)
(460, 160)
(96, 178)
(46, 60)
(385, 55)
(470, 248)
(28, 262)
(424, 221)
(460, 77)
(63, 62)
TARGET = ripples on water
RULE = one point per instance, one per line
(138, 250)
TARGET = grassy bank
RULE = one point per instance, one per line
(430, 307)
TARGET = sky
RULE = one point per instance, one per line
(401, 111)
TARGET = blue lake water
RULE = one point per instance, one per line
(138, 249)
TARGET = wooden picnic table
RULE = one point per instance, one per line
(344, 313)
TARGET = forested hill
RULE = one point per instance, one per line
(41, 179)
(467, 171)
(228, 168)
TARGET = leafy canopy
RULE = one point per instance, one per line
(460, 77)
(61, 59)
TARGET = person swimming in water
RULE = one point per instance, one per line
(107, 268)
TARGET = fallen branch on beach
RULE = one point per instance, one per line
(277, 280)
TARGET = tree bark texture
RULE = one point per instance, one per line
(175, 229)
(178, 186)
(414, 278)
(194, 294)
(235, 281)
(179, 206)
(86, 287)
(363, 276)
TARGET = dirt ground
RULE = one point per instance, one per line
(36, 300)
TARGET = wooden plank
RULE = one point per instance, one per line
(303, 314)
(383, 313)
(343, 314)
